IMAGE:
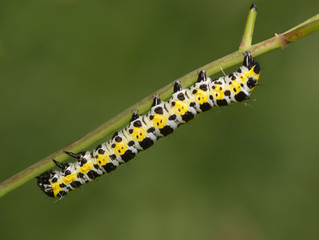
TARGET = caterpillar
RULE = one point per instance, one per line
(143, 131)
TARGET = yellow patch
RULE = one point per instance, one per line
(85, 168)
(69, 178)
(102, 159)
(180, 107)
(201, 96)
(235, 86)
(218, 93)
(120, 148)
(243, 78)
(251, 73)
(159, 121)
(56, 188)
(138, 134)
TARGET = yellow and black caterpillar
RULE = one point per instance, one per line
(143, 131)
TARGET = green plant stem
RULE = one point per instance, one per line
(279, 41)
(249, 28)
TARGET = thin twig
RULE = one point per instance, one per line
(249, 28)
(279, 41)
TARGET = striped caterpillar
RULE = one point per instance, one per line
(143, 131)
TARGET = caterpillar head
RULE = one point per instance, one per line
(45, 184)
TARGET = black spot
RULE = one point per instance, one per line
(205, 106)
(203, 87)
(118, 139)
(172, 118)
(113, 156)
(131, 143)
(150, 130)
(188, 116)
(113, 145)
(101, 151)
(54, 180)
(194, 91)
(151, 117)
(251, 82)
(137, 124)
(192, 104)
(96, 166)
(146, 143)
(231, 75)
(109, 167)
(83, 161)
(80, 175)
(242, 85)
(222, 102)
(241, 96)
(227, 93)
(128, 155)
(218, 82)
(257, 68)
(239, 70)
(130, 131)
(62, 185)
(181, 96)
(173, 103)
(158, 110)
(92, 174)
(211, 97)
(166, 130)
(67, 172)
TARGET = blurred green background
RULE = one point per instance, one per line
(246, 171)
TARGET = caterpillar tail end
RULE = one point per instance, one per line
(250, 62)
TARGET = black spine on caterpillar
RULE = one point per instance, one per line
(143, 131)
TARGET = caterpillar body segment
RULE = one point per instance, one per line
(143, 131)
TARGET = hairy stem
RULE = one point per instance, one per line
(278, 41)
